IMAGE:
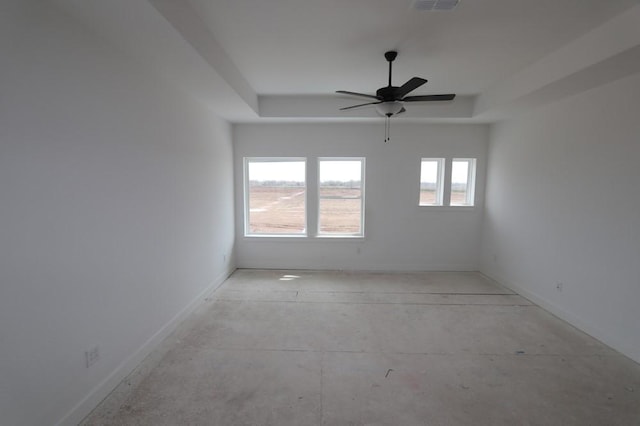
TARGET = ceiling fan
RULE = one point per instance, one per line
(389, 100)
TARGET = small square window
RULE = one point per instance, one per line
(431, 181)
(463, 172)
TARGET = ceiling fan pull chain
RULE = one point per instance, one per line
(387, 128)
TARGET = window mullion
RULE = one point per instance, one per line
(313, 205)
(446, 193)
(472, 181)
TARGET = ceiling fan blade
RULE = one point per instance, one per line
(360, 105)
(401, 111)
(410, 85)
(362, 95)
(429, 98)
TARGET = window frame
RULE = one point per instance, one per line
(247, 204)
(471, 182)
(440, 177)
(360, 234)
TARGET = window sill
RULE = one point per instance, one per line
(301, 238)
(447, 208)
(338, 237)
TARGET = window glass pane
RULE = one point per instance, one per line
(276, 197)
(340, 216)
(431, 182)
(462, 173)
(340, 197)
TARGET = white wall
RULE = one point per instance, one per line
(563, 205)
(399, 234)
(116, 208)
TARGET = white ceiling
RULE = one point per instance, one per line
(273, 53)
(319, 46)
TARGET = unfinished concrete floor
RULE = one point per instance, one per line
(330, 348)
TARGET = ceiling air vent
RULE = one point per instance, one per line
(434, 4)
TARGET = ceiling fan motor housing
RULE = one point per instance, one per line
(387, 93)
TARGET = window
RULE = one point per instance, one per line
(275, 196)
(463, 171)
(431, 181)
(461, 179)
(340, 196)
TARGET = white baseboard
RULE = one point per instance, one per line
(576, 321)
(378, 267)
(104, 388)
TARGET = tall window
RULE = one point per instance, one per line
(463, 172)
(340, 196)
(431, 181)
(275, 196)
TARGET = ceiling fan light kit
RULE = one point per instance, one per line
(388, 109)
(389, 100)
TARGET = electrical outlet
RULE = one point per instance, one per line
(92, 356)
(559, 286)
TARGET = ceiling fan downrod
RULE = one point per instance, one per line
(390, 56)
